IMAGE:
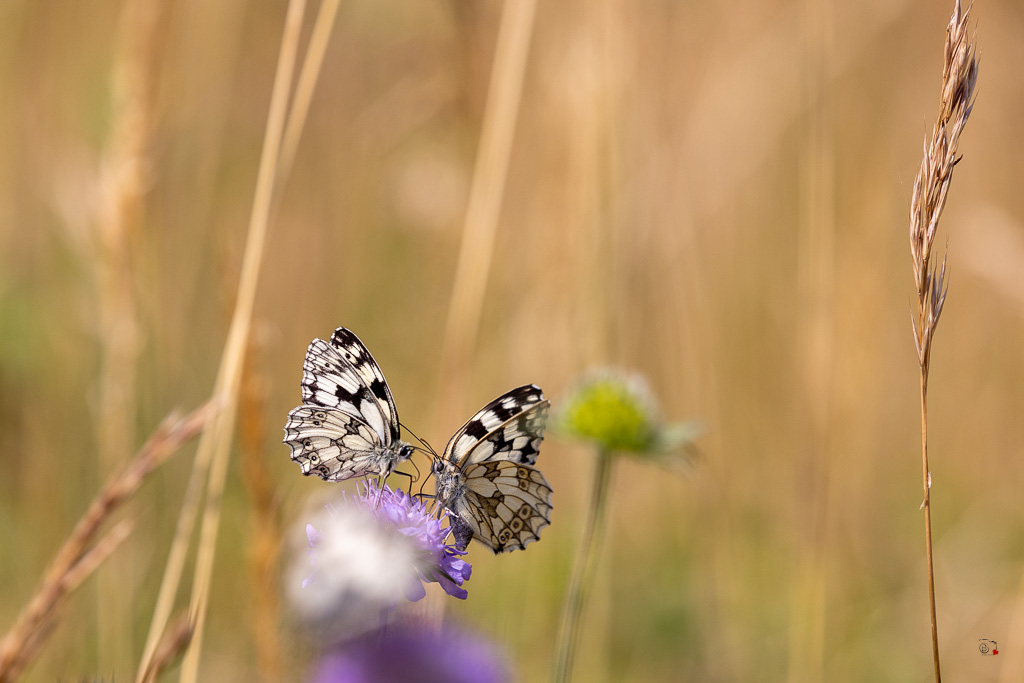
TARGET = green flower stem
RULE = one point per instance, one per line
(584, 568)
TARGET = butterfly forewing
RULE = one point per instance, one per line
(511, 427)
(355, 353)
(331, 380)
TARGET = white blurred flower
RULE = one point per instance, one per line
(361, 566)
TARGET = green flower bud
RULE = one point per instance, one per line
(617, 412)
(613, 410)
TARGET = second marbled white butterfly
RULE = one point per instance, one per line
(486, 476)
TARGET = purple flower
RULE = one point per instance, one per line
(371, 549)
(413, 654)
(435, 561)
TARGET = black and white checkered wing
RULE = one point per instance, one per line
(348, 424)
(486, 476)
(504, 504)
(511, 427)
(342, 374)
(334, 445)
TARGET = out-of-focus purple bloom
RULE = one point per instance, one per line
(436, 561)
(413, 655)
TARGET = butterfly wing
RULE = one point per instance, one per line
(504, 504)
(334, 445)
(486, 475)
(511, 427)
(358, 356)
(343, 375)
(348, 425)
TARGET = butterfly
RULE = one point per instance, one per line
(348, 424)
(486, 476)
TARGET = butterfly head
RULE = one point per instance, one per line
(404, 450)
(448, 481)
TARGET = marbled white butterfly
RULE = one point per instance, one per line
(348, 425)
(486, 475)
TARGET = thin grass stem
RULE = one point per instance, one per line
(486, 192)
(584, 569)
(305, 86)
(229, 379)
(127, 174)
(926, 473)
(931, 189)
(229, 375)
(264, 541)
(476, 250)
(173, 643)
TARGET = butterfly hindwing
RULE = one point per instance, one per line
(332, 444)
(505, 504)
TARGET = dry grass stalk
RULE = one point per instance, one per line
(305, 86)
(485, 197)
(81, 553)
(817, 291)
(210, 466)
(218, 439)
(92, 559)
(264, 545)
(174, 642)
(476, 251)
(125, 179)
(931, 187)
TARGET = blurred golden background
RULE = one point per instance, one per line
(714, 195)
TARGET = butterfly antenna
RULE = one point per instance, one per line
(430, 449)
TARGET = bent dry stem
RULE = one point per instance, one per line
(584, 568)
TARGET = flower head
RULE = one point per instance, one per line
(617, 412)
(368, 552)
(360, 567)
(434, 561)
(413, 654)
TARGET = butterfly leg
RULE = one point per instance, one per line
(380, 491)
(406, 474)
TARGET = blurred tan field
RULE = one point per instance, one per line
(714, 195)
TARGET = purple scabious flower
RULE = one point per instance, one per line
(413, 655)
(435, 561)
(373, 548)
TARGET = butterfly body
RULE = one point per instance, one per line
(348, 424)
(486, 475)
